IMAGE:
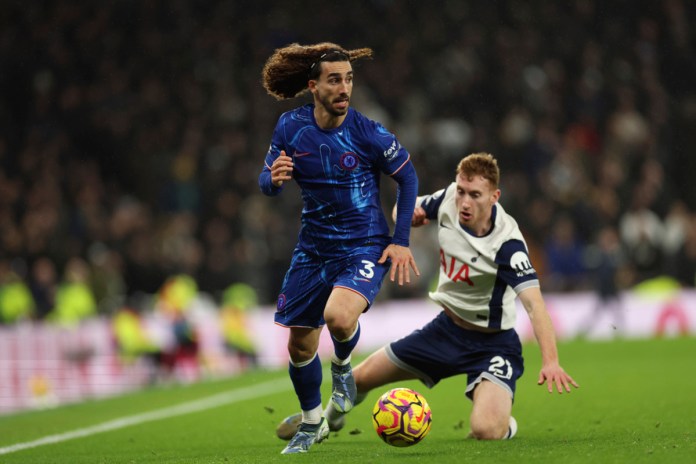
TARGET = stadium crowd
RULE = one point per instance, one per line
(132, 134)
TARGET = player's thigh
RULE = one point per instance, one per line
(304, 293)
(377, 370)
(492, 404)
(360, 272)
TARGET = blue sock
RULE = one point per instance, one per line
(343, 348)
(306, 378)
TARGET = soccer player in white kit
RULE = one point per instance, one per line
(484, 267)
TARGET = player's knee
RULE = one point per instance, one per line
(300, 353)
(341, 326)
(488, 429)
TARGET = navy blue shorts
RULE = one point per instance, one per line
(442, 349)
(310, 280)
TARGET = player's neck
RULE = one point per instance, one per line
(326, 120)
(479, 230)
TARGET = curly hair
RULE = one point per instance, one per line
(287, 71)
(480, 164)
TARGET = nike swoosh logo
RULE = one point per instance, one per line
(299, 155)
(442, 224)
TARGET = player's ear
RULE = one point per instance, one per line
(312, 85)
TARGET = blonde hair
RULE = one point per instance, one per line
(287, 72)
(480, 164)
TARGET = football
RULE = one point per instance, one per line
(401, 417)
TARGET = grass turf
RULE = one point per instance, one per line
(636, 404)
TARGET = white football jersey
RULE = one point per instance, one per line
(480, 277)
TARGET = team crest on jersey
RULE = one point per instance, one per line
(520, 263)
(281, 301)
(349, 161)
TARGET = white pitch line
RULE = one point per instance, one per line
(254, 391)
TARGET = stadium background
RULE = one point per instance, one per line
(132, 133)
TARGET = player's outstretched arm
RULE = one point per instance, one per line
(551, 371)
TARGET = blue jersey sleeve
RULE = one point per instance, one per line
(515, 267)
(277, 144)
(395, 161)
(390, 155)
(405, 200)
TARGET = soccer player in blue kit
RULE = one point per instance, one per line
(336, 156)
(484, 266)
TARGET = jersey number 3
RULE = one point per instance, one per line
(368, 272)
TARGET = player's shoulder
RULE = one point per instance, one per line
(357, 119)
(504, 221)
(299, 115)
(507, 232)
(444, 195)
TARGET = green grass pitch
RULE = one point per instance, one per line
(636, 403)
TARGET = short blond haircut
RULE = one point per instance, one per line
(480, 164)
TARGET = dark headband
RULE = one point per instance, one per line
(330, 52)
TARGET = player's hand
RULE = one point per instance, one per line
(555, 375)
(401, 262)
(281, 170)
(418, 219)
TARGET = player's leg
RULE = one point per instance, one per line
(300, 308)
(356, 282)
(306, 375)
(493, 371)
(490, 415)
(305, 371)
(378, 370)
(343, 309)
(420, 355)
(373, 372)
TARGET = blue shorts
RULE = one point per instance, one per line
(310, 280)
(442, 349)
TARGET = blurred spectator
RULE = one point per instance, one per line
(16, 302)
(676, 228)
(642, 232)
(606, 262)
(237, 301)
(564, 258)
(43, 283)
(74, 298)
(174, 301)
(683, 261)
(106, 279)
(134, 343)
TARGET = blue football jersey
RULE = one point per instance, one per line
(338, 171)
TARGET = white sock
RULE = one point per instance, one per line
(313, 416)
(340, 362)
(304, 363)
(512, 429)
